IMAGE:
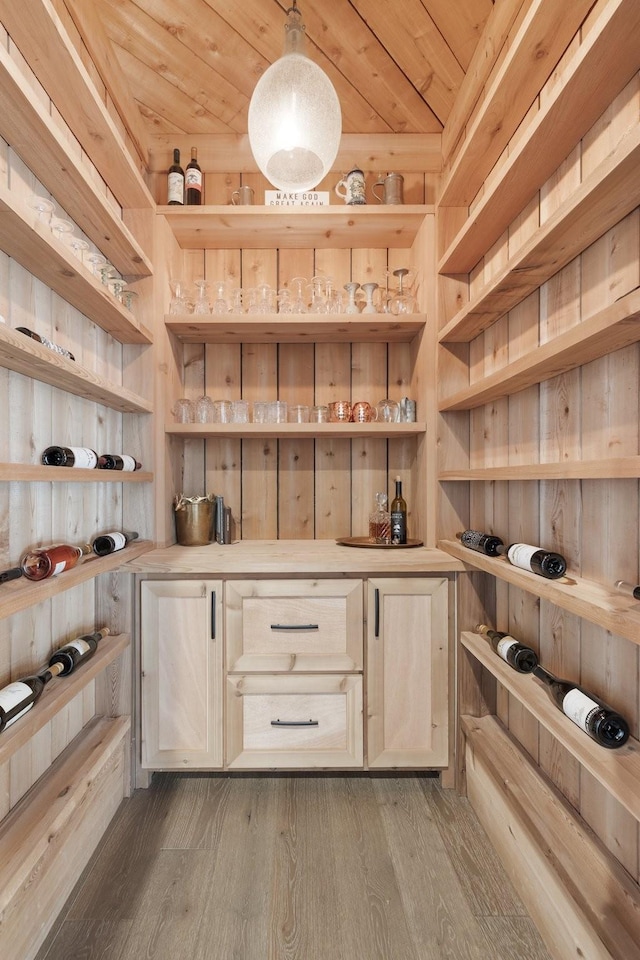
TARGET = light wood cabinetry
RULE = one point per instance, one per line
(181, 660)
(407, 673)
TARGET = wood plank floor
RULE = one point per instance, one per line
(294, 868)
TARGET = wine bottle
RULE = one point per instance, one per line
(50, 561)
(625, 587)
(46, 343)
(18, 697)
(517, 655)
(193, 180)
(175, 180)
(600, 721)
(13, 574)
(110, 542)
(116, 461)
(481, 542)
(83, 457)
(398, 515)
(543, 562)
(77, 651)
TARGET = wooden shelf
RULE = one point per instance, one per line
(20, 594)
(306, 431)
(58, 693)
(615, 468)
(617, 770)
(33, 245)
(38, 473)
(610, 329)
(592, 601)
(602, 200)
(27, 125)
(260, 227)
(26, 356)
(580, 94)
(294, 328)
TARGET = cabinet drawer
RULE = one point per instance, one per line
(301, 721)
(294, 625)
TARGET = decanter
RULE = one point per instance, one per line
(380, 521)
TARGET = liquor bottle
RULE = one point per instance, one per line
(116, 461)
(46, 343)
(47, 562)
(175, 180)
(517, 655)
(83, 457)
(600, 721)
(481, 542)
(398, 515)
(76, 652)
(18, 697)
(625, 587)
(193, 180)
(110, 542)
(543, 562)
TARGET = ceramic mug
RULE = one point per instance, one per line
(242, 196)
(392, 186)
(353, 187)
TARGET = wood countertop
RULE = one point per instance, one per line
(290, 557)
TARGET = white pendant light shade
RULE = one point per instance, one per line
(294, 118)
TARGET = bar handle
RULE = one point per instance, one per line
(376, 618)
(213, 614)
(295, 626)
(295, 723)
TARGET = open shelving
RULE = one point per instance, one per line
(20, 353)
(310, 431)
(615, 468)
(294, 328)
(617, 770)
(38, 473)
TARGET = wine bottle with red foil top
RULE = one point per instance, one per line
(481, 542)
(79, 457)
(516, 654)
(545, 563)
(110, 542)
(600, 721)
(17, 698)
(77, 652)
(118, 461)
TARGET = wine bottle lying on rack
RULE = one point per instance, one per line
(79, 457)
(77, 652)
(18, 697)
(46, 343)
(480, 542)
(545, 563)
(117, 461)
(600, 721)
(516, 654)
(631, 588)
(110, 542)
(44, 562)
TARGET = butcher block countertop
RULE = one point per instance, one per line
(291, 557)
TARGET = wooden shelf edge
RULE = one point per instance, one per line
(58, 693)
(617, 770)
(294, 328)
(614, 469)
(302, 431)
(20, 594)
(579, 96)
(585, 598)
(30, 358)
(603, 199)
(38, 473)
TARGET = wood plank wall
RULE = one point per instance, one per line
(39, 513)
(591, 412)
(296, 489)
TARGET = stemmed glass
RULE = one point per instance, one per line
(95, 260)
(352, 306)
(235, 304)
(44, 206)
(298, 301)
(402, 302)
(60, 228)
(202, 302)
(220, 303)
(319, 303)
(179, 301)
(369, 290)
(284, 301)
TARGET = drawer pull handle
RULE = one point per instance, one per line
(295, 723)
(295, 626)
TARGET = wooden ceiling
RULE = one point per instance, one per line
(192, 65)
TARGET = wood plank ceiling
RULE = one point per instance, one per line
(192, 65)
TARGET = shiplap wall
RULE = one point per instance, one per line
(589, 413)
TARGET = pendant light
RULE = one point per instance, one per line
(294, 116)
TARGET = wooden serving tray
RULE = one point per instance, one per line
(365, 542)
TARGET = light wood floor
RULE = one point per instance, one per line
(294, 868)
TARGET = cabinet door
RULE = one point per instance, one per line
(181, 630)
(407, 673)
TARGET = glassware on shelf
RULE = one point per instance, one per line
(320, 414)
(369, 292)
(299, 413)
(284, 301)
(319, 288)
(220, 303)
(115, 286)
(78, 245)
(340, 411)
(106, 271)
(183, 411)
(403, 301)
(95, 261)
(260, 413)
(277, 411)
(235, 301)
(265, 303)
(60, 228)
(351, 288)
(179, 300)
(222, 411)
(201, 305)
(240, 411)
(129, 298)
(362, 412)
(204, 410)
(298, 299)
(388, 411)
(250, 300)
(44, 207)
(380, 521)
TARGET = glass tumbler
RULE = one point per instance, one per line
(277, 412)
(222, 411)
(204, 410)
(240, 411)
(260, 411)
(320, 414)
(299, 413)
(183, 411)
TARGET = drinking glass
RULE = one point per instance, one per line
(299, 413)
(202, 303)
(204, 410)
(284, 301)
(260, 411)
(128, 298)
(182, 410)
(115, 286)
(277, 411)
(369, 291)
(319, 303)
(298, 299)
(78, 245)
(220, 302)
(60, 228)
(222, 411)
(320, 414)
(388, 411)
(235, 301)
(403, 301)
(179, 301)
(95, 261)
(44, 206)
(352, 306)
(105, 272)
(240, 411)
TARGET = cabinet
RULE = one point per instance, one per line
(407, 672)
(181, 659)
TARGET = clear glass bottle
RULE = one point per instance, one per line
(380, 521)
(47, 562)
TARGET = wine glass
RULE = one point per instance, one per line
(369, 290)
(179, 300)
(298, 300)
(220, 303)
(351, 288)
(60, 228)
(202, 302)
(95, 261)
(402, 302)
(44, 206)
